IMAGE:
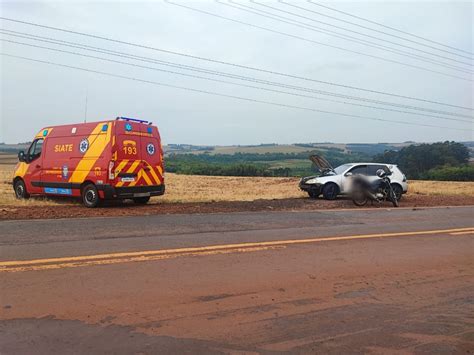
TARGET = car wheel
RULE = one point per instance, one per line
(398, 191)
(330, 191)
(90, 196)
(141, 200)
(20, 189)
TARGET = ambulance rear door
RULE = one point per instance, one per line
(128, 162)
(152, 156)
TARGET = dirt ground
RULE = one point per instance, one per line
(65, 209)
(204, 194)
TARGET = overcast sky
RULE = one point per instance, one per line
(34, 95)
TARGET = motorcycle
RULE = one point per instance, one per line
(380, 190)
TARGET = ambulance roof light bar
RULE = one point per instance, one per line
(133, 120)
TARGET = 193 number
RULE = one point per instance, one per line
(130, 150)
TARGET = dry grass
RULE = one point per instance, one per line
(182, 188)
(191, 188)
(441, 188)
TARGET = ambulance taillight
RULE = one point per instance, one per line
(111, 170)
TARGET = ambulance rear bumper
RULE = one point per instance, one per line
(111, 192)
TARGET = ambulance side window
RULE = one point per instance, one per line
(35, 149)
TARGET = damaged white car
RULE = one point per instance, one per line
(332, 182)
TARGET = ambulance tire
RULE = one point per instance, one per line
(141, 200)
(20, 189)
(90, 196)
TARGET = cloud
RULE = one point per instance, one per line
(34, 95)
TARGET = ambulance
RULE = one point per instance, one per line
(115, 159)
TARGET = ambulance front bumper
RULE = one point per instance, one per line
(112, 192)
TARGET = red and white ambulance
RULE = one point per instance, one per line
(116, 159)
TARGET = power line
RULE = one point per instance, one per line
(359, 33)
(315, 42)
(300, 24)
(228, 96)
(371, 44)
(389, 27)
(233, 76)
(233, 83)
(234, 64)
(224, 74)
(371, 29)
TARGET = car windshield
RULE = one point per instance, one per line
(341, 168)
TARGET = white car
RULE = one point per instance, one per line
(333, 182)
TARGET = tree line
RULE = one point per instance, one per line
(437, 161)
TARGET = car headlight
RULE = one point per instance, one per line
(312, 181)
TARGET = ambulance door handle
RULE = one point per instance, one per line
(145, 166)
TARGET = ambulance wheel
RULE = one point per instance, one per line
(90, 196)
(20, 189)
(141, 200)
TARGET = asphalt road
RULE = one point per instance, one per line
(399, 280)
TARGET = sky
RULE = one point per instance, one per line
(35, 95)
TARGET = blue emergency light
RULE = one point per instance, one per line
(133, 120)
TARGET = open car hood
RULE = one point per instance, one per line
(321, 163)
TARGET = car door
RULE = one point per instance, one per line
(372, 171)
(348, 175)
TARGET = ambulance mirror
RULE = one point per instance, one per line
(21, 156)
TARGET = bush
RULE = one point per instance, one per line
(450, 173)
